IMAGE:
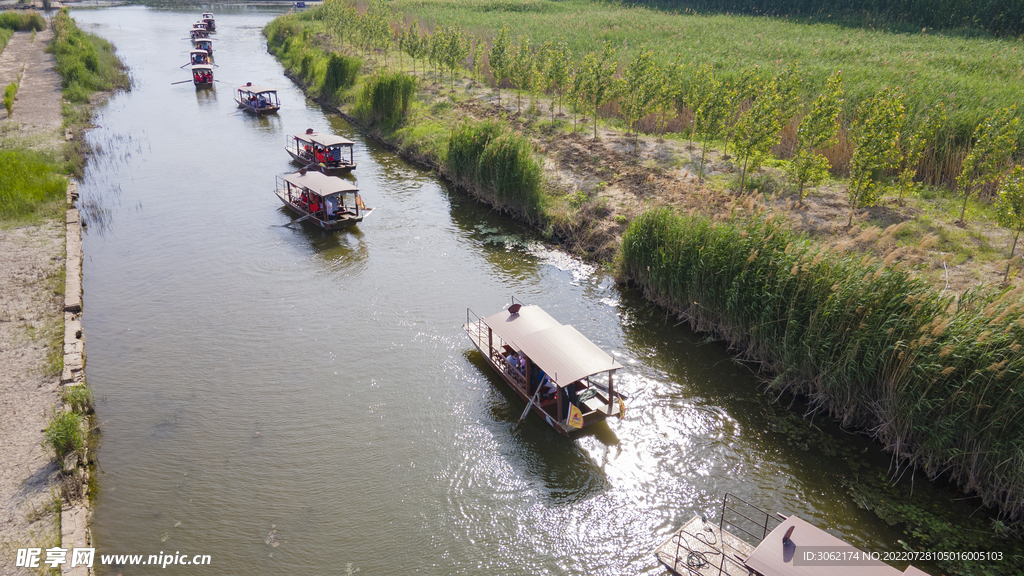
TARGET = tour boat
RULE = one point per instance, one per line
(257, 99)
(200, 26)
(324, 152)
(551, 366)
(325, 201)
(202, 75)
(204, 44)
(747, 541)
(197, 33)
(208, 20)
(198, 57)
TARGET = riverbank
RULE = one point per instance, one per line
(45, 461)
(596, 188)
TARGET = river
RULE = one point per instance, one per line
(293, 402)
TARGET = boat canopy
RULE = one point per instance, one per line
(559, 350)
(256, 89)
(207, 15)
(319, 183)
(324, 140)
(197, 51)
(202, 67)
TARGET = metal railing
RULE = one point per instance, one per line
(752, 525)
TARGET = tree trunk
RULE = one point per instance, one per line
(967, 194)
(743, 173)
(1012, 250)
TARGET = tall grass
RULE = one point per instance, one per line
(64, 434)
(501, 162)
(5, 35)
(938, 380)
(9, 92)
(341, 72)
(22, 21)
(29, 182)
(86, 63)
(384, 99)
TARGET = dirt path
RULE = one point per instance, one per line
(37, 113)
(31, 316)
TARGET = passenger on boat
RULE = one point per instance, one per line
(547, 388)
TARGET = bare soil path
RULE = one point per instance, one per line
(31, 316)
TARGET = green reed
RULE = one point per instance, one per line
(938, 380)
(491, 156)
(64, 435)
(384, 98)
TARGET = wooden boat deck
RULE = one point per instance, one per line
(699, 548)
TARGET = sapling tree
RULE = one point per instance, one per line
(638, 89)
(758, 128)
(521, 69)
(411, 42)
(788, 82)
(744, 90)
(340, 18)
(1010, 208)
(598, 82)
(913, 142)
(498, 57)
(817, 130)
(556, 74)
(876, 132)
(713, 102)
(994, 143)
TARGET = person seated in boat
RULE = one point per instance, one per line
(548, 389)
(319, 155)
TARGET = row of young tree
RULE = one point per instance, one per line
(748, 112)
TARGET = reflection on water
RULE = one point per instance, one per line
(206, 96)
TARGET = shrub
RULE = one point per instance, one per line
(78, 397)
(22, 22)
(9, 93)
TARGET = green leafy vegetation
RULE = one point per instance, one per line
(22, 21)
(9, 92)
(64, 434)
(384, 98)
(78, 397)
(86, 63)
(936, 379)
(30, 184)
(501, 162)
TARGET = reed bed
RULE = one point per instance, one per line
(29, 181)
(489, 155)
(939, 380)
(384, 99)
(86, 63)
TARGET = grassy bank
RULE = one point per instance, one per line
(86, 63)
(936, 379)
(32, 186)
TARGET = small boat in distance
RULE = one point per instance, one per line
(200, 26)
(197, 33)
(326, 201)
(299, 4)
(204, 44)
(202, 75)
(549, 365)
(325, 152)
(199, 57)
(257, 99)
(208, 20)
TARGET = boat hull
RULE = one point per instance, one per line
(329, 170)
(257, 111)
(328, 225)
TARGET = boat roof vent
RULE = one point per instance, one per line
(514, 309)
